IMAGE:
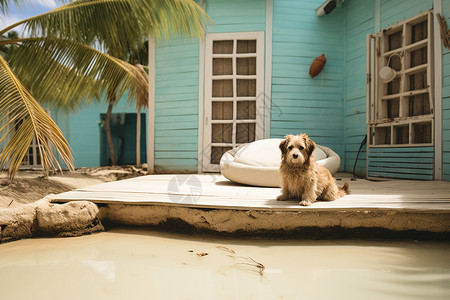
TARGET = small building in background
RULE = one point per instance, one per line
(248, 79)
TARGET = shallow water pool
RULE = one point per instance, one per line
(142, 264)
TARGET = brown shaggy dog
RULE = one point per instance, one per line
(302, 178)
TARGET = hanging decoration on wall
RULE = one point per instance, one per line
(386, 73)
(317, 65)
(445, 32)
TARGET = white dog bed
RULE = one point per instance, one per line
(257, 163)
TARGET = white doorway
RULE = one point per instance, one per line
(234, 93)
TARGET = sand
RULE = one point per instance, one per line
(26, 211)
(143, 264)
(30, 186)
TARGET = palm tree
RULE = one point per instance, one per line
(64, 63)
(6, 50)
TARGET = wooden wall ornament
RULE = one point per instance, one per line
(445, 32)
(317, 65)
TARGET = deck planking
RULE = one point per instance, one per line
(216, 192)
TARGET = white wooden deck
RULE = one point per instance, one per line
(214, 191)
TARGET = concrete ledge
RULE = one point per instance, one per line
(253, 221)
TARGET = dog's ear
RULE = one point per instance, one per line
(283, 145)
(310, 146)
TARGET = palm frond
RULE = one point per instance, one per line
(141, 93)
(120, 25)
(20, 111)
(65, 73)
(5, 4)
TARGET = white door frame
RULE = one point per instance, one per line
(205, 90)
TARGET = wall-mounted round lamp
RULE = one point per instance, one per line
(386, 73)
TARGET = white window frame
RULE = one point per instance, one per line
(376, 57)
(208, 77)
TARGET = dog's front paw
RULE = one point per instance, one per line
(305, 203)
(282, 197)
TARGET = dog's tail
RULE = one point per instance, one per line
(345, 190)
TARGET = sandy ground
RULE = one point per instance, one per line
(30, 186)
(143, 264)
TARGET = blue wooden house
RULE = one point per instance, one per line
(248, 79)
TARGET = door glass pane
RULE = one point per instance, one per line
(394, 40)
(246, 87)
(222, 66)
(419, 105)
(223, 47)
(246, 65)
(222, 110)
(245, 132)
(419, 32)
(221, 133)
(222, 88)
(391, 108)
(382, 135)
(418, 81)
(401, 134)
(246, 110)
(246, 46)
(393, 87)
(422, 133)
(217, 152)
(418, 57)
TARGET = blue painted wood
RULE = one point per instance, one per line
(359, 21)
(300, 36)
(82, 130)
(182, 132)
(446, 100)
(428, 150)
(396, 162)
(406, 160)
(179, 111)
(407, 155)
(394, 11)
(181, 120)
(176, 83)
(169, 153)
(175, 164)
(176, 87)
(167, 140)
(413, 165)
(236, 15)
(401, 170)
(400, 175)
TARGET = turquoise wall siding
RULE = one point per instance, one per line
(446, 100)
(360, 21)
(176, 105)
(177, 80)
(82, 130)
(236, 15)
(403, 162)
(299, 103)
(394, 11)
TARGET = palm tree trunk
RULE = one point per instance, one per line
(138, 137)
(112, 155)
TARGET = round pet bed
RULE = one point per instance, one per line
(257, 163)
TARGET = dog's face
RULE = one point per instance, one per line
(297, 149)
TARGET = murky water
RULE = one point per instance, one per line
(139, 264)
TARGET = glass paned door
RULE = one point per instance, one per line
(234, 89)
